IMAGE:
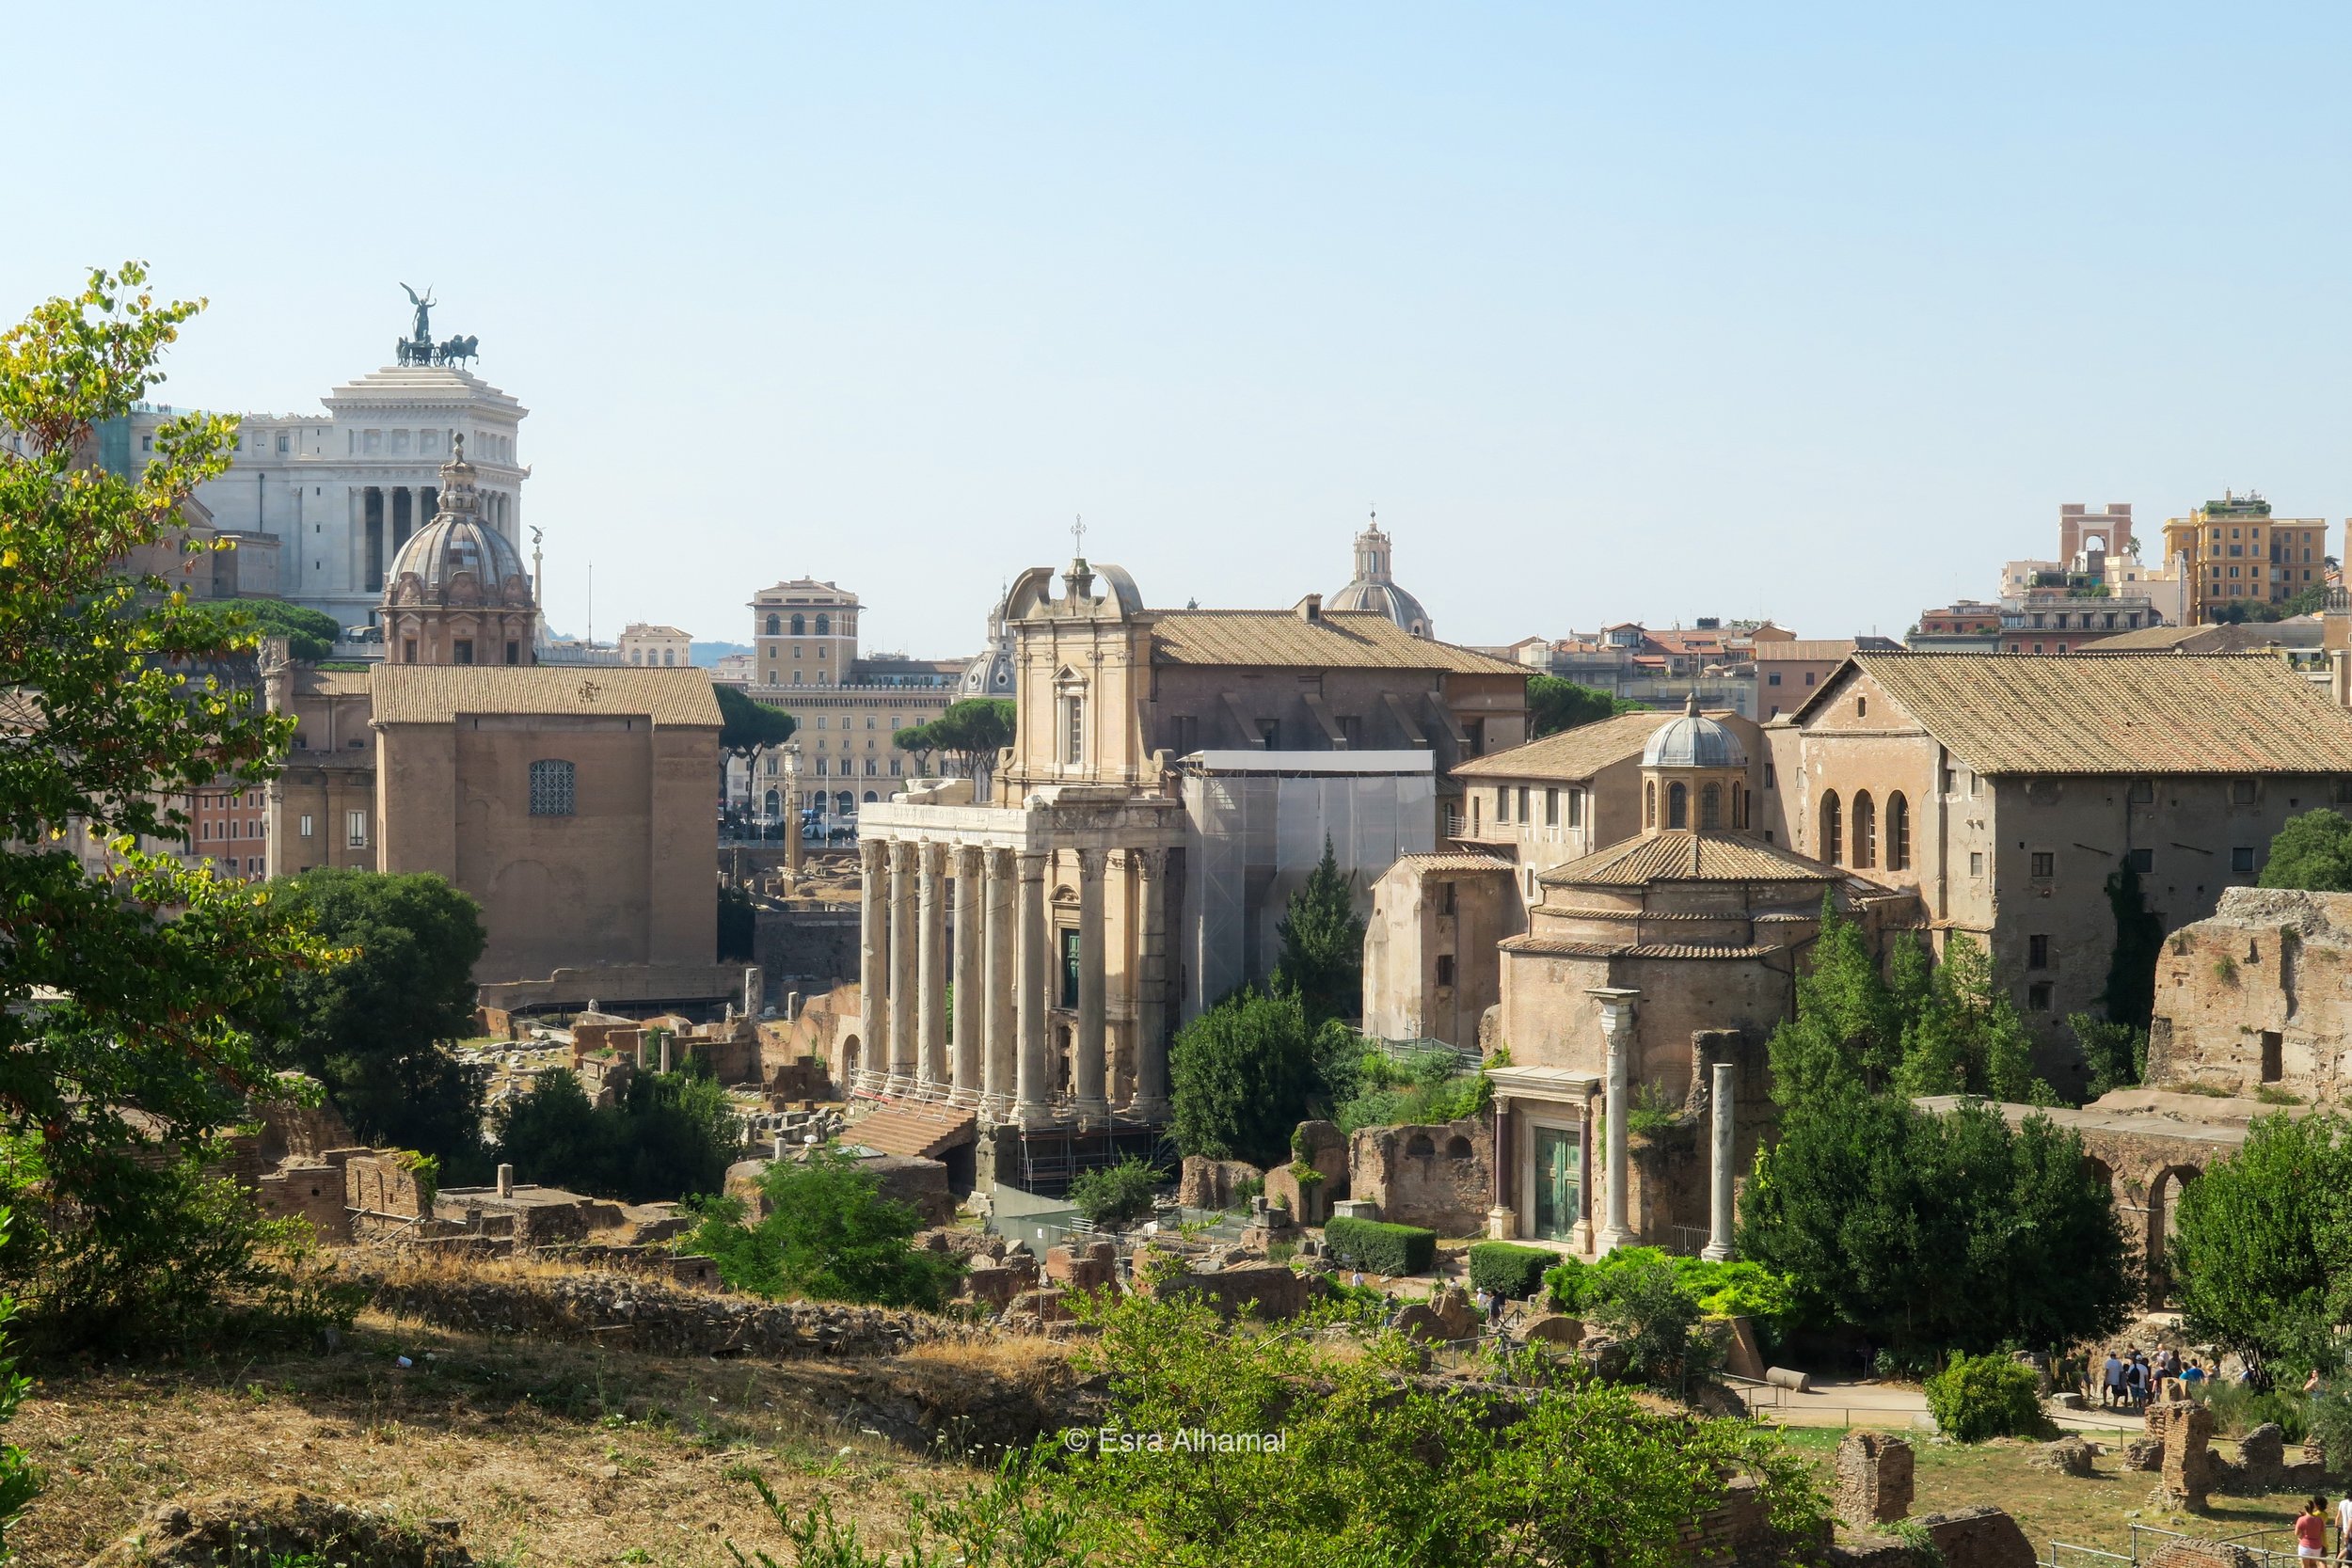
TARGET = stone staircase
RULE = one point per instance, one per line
(925, 1131)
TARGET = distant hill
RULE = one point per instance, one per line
(707, 654)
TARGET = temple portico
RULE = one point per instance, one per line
(1050, 920)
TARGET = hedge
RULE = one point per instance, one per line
(1395, 1250)
(1517, 1271)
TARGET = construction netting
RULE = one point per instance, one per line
(1252, 838)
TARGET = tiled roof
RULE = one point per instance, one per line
(1678, 855)
(1335, 640)
(2198, 639)
(331, 683)
(2116, 713)
(1563, 948)
(1455, 862)
(1576, 753)
(435, 694)
(1805, 649)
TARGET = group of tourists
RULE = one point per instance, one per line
(2132, 1378)
(2311, 1531)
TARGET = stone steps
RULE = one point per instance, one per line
(924, 1132)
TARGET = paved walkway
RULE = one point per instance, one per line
(1896, 1405)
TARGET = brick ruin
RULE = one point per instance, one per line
(1874, 1476)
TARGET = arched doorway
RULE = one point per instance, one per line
(2164, 1201)
(849, 1052)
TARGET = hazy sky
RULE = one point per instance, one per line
(1651, 311)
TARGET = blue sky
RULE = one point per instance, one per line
(1651, 312)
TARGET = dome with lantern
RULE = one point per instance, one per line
(457, 592)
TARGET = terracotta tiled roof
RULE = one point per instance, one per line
(435, 694)
(1564, 948)
(1815, 649)
(1679, 855)
(2200, 640)
(1576, 753)
(1457, 862)
(2116, 713)
(1336, 639)
(331, 683)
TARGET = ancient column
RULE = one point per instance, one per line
(931, 986)
(1003, 1047)
(1031, 963)
(902, 970)
(1090, 1050)
(1718, 1247)
(1151, 1102)
(873, 962)
(1616, 1024)
(968, 1013)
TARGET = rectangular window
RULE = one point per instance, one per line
(2242, 860)
(306, 827)
(355, 829)
(1551, 808)
(1771, 778)
(1445, 969)
(2274, 1064)
(1523, 816)
(1576, 808)
(1446, 898)
(1975, 863)
(551, 785)
(1502, 805)
(2244, 792)
(2038, 997)
(2037, 951)
(2143, 791)
(2045, 865)
(1772, 679)
(2142, 861)
(1070, 969)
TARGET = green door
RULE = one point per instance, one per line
(1558, 1202)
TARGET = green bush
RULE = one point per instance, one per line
(1735, 1290)
(1390, 1249)
(1425, 1088)
(2238, 1410)
(830, 1234)
(1117, 1195)
(1517, 1271)
(1977, 1396)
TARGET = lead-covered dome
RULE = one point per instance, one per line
(1374, 589)
(457, 558)
(1693, 740)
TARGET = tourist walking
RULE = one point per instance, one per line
(2343, 1529)
(2310, 1530)
(2112, 1388)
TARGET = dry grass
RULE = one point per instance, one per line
(2095, 1511)
(548, 1454)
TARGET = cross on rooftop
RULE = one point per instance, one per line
(1078, 537)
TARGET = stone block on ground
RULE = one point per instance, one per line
(1874, 1478)
(1554, 1328)
(1980, 1537)
(2068, 1455)
(1081, 1269)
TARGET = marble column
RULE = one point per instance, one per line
(1001, 1042)
(873, 963)
(968, 1014)
(1151, 1102)
(1032, 963)
(931, 984)
(1616, 1026)
(1502, 1216)
(1090, 1050)
(1718, 1247)
(902, 968)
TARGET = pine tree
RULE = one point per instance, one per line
(1323, 945)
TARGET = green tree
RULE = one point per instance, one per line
(1241, 1077)
(1644, 1306)
(1554, 705)
(310, 634)
(828, 1234)
(2262, 1242)
(2131, 989)
(377, 1028)
(747, 728)
(144, 985)
(671, 1136)
(1937, 1232)
(1964, 1036)
(2314, 853)
(1323, 945)
(972, 730)
(1848, 1032)
(1117, 1195)
(20, 1478)
(2116, 1053)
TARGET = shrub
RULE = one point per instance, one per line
(1642, 1304)
(2238, 1410)
(1390, 1249)
(1517, 1271)
(1117, 1195)
(1735, 1290)
(1246, 1189)
(828, 1234)
(1977, 1396)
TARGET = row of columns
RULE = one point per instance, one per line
(374, 549)
(992, 1055)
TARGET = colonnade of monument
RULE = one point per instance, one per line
(991, 1056)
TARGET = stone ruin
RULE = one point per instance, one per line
(1874, 1480)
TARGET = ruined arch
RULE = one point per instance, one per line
(2164, 1199)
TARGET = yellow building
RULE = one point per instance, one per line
(2233, 552)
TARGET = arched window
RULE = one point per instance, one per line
(775, 805)
(1649, 804)
(800, 624)
(1898, 833)
(1677, 805)
(871, 797)
(775, 626)
(824, 625)
(1833, 831)
(842, 803)
(1710, 808)
(551, 789)
(1866, 829)
(637, 656)
(669, 657)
